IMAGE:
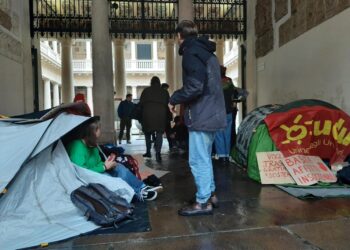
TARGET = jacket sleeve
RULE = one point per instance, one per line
(193, 84)
(120, 109)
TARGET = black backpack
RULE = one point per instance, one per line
(100, 205)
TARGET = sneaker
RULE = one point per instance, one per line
(147, 155)
(147, 194)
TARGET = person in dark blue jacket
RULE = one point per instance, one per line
(125, 109)
(204, 111)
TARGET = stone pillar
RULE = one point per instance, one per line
(89, 99)
(88, 50)
(67, 70)
(103, 91)
(220, 50)
(170, 64)
(54, 45)
(56, 95)
(251, 62)
(133, 50)
(185, 11)
(47, 94)
(134, 92)
(119, 68)
(155, 51)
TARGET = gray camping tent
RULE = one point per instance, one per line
(36, 179)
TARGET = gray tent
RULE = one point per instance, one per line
(36, 179)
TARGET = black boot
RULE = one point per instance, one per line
(147, 155)
(158, 157)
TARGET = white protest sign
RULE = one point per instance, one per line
(308, 170)
(271, 169)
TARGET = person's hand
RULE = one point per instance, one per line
(172, 108)
(110, 162)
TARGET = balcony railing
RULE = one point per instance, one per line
(48, 53)
(85, 66)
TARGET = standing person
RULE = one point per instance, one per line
(223, 137)
(165, 86)
(204, 112)
(125, 109)
(154, 102)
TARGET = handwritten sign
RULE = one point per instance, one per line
(308, 170)
(271, 168)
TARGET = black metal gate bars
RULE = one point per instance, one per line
(137, 18)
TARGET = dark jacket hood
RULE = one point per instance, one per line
(197, 45)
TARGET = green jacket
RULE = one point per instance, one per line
(84, 156)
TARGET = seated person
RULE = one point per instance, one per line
(84, 153)
(179, 134)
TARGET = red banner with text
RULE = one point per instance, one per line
(311, 130)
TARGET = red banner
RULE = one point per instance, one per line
(314, 130)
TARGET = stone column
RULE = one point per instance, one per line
(227, 46)
(170, 64)
(119, 68)
(220, 50)
(47, 94)
(67, 70)
(133, 50)
(54, 45)
(155, 51)
(56, 95)
(186, 12)
(88, 50)
(89, 98)
(103, 95)
(134, 92)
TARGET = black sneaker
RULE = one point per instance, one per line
(147, 155)
(147, 194)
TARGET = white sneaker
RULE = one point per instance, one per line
(147, 194)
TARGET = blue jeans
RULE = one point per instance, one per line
(200, 146)
(122, 172)
(223, 139)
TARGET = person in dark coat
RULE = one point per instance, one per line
(154, 102)
(204, 111)
(125, 110)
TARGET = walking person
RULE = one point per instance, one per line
(204, 111)
(125, 110)
(154, 102)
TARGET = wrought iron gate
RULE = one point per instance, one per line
(137, 18)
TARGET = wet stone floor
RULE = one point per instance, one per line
(250, 216)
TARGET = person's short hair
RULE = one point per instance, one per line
(155, 81)
(128, 95)
(164, 86)
(186, 28)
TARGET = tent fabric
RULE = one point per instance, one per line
(260, 142)
(246, 131)
(20, 142)
(36, 207)
(316, 192)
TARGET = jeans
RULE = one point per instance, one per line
(158, 142)
(126, 175)
(223, 139)
(200, 145)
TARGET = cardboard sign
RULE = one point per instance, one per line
(308, 170)
(271, 168)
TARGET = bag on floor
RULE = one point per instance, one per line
(152, 181)
(130, 163)
(101, 206)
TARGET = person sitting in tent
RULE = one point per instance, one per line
(84, 153)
